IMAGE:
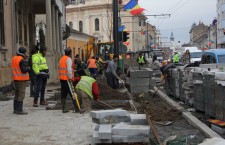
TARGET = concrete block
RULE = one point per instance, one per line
(150, 72)
(139, 73)
(105, 113)
(139, 82)
(105, 131)
(111, 120)
(131, 130)
(218, 129)
(96, 140)
(138, 119)
(129, 139)
(97, 127)
(139, 89)
(51, 106)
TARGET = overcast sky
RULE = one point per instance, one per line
(183, 14)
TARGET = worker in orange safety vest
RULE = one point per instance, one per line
(65, 75)
(20, 71)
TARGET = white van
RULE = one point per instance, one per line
(196, 56)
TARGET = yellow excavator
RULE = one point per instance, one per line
(105, 49)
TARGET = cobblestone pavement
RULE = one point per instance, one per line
(41, 127)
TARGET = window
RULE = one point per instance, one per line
(221, 58)
(71, 25)
(81, 26)
(96, 24)
(3, 56)
(139, 22)
(2, 29)
(82, 1)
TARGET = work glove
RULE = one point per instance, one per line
(44, 75)
(121, 81)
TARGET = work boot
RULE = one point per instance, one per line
(15, 104)
(20, 108)
(64, 108)
(43, 102)
(35, 104)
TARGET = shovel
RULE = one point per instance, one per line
(103, 103)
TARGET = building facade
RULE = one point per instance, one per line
(203, 36)
(18, 29)
(199, 35)
(151, 35)
(221, 22)
(81, 44)
(94, 17)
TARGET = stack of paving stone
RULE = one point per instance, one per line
(199, 101)
(220, 95)
(188, 86)
(138, 80)
(175, 83)
(209, 93)
(181, 90)
(117, 126)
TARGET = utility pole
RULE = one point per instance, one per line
(115, 27)
(147, 37)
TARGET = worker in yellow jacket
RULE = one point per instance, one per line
(176, 57)
(141, 60)
(41, 71)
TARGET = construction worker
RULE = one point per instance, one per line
(111, 75)
(154, 58)
(92, 66)
(74, 64)
(20, 71)
(65, 75)
(186, 57)
(41, 71)
(176, 57)
(87, 90)
(141, 60)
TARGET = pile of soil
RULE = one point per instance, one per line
(158, 109)
(107, 93)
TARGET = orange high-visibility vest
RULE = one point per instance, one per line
(18, 75)
(63, 68)
(92, 63)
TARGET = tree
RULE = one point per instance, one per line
(42, 38)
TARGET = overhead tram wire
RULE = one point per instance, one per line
(174, 6)
(181, 6)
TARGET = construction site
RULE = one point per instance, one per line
(139, 113)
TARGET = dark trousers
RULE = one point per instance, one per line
(93, 71)
(33, 86)
(65, 90)
(112, 81)
(40, 90)
(20, 87)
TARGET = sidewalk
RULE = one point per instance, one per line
(43, 127)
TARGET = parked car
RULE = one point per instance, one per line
(213, 56)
